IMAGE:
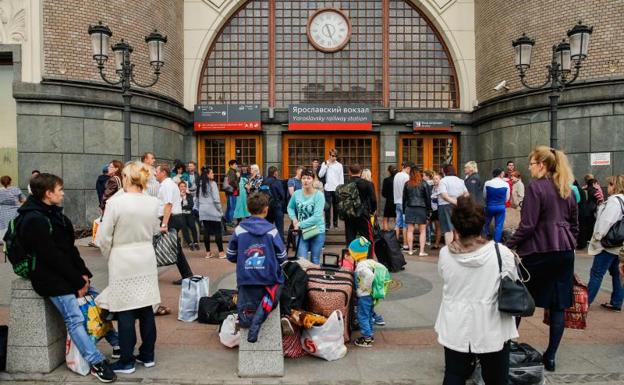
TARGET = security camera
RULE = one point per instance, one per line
(502, 86)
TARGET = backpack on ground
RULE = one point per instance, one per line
(273, 202)
(215, 309)
(294, 292)
(349, 202)
(388, 251)
(23, 262)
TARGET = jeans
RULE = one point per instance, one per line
(127, 334)
(279, 221)
(314, 245)
(332, 205)
(231, 205)
(188, 225)
(400, 218)
(603, 262)
(67, 305)
(498, 213)
(365, 315)
(459, 366)
(176, 223)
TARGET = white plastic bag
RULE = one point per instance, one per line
(74, 360)
(228, 334)
(326, 341)
(193, 289)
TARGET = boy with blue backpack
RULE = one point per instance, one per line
(258, 251)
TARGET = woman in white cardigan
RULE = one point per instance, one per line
(125, 237)
(469, 323)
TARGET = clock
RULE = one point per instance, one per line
(329, 30)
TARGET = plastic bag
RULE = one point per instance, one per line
(96, 326)
(74, 360)
(193, 289)
(228, 335)
(326, 341)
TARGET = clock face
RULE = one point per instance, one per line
(329, 30)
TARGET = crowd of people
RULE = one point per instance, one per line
(544, 223)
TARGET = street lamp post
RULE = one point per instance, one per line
(559, 69)
(124, 68)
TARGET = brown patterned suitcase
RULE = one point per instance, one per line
(330, 289)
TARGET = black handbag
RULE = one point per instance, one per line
(513, 296)
(615, 236)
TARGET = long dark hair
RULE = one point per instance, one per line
(203, 181)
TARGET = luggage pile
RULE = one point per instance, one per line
(525, 366)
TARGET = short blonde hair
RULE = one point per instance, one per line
(617, 181)
(472, 165)
(367, 175)
(255, 167)
(136, 174)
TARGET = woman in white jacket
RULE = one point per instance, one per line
(469, 324)
(607, 215)
(125, 238)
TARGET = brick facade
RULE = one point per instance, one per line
(498, 22)
(67, 52)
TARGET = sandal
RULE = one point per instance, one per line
(608, 306)
(162, 310)
(209, 255)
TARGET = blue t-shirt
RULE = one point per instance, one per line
(296, 183)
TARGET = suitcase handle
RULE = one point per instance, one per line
(328, 261)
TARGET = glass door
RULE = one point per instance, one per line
(428, 151)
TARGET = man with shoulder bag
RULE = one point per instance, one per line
(230, 188)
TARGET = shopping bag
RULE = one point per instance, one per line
(94, 228)
(291, 344)
(575, 317)
(193, 289)
(96, 325)
(74, 360)
(166, 248)
(326, 341)
(228, 335)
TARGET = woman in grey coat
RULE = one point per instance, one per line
(208, 206)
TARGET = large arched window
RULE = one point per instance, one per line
(394, 58)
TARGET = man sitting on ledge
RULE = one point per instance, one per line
(59, 271)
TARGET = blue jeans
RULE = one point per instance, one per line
(603, 262)
(365, 315)
(231, 205)
(498, 213)
(314, 245)
(67, 305)
(400, 218)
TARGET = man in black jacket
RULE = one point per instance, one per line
(278, 193)
(59, 273)
(361, 225)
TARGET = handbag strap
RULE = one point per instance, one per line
(518, 265)
(498, 256)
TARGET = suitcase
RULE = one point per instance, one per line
(388, 251)
(330, 289)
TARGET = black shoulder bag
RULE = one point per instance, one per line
(513, 296)
(615, 236)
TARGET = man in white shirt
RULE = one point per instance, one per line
(170, 214)
(450, 188)
(152, 184)
(400, 179)
(333, 172)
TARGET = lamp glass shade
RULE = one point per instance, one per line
(99, 41)
(524, 48)
(579, 37)
(562, 57)
(156, 52)
(119, 58)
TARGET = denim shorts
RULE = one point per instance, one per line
(400, 218)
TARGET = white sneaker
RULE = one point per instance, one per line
(422, 254)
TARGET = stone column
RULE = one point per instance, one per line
(37, 333)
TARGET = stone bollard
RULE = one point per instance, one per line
(264, 358)
(37, 333)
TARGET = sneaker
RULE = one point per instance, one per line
(120, 367)
(379, 321)
(423, 254)
(410, 253)
(405, 247)
(116, 353)
(610, 307)
(146, 363)
(103, 372)
(364, 342)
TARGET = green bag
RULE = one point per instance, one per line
(349, 203)
(310, 232)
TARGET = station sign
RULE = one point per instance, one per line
(330, 117)
(227, 117)
(432, 125)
